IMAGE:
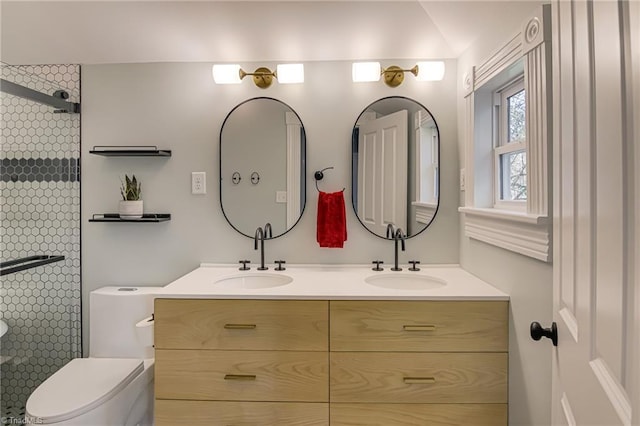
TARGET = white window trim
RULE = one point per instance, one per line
(525, 232)
(502, 146)
(425, 211)
(421, 118)
(499, 203)
(294, 142)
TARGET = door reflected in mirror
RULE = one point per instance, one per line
(395, 166)
(262, 166)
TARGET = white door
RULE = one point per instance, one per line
(382, 172)
(596, 184)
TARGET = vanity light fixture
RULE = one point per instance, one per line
(365, 71)
(226, 74)
(394, 75)
(262, 77)
(290, 73)
(430, 71)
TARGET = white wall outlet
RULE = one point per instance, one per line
(281, 196)
(198, 183)
(462, 180)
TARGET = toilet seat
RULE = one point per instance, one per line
(80, 386)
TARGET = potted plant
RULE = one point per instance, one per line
(131, 205)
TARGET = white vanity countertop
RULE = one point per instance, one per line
(330, 282)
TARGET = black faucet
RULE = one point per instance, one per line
(261, 234)
(390, 231)
(397, 236)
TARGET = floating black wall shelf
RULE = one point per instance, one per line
(130, 151)
(147, 217)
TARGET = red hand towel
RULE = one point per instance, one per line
(332, 220)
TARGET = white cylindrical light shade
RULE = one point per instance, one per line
(365, 71)
(430, 71)
(226, 73)
(290, 73)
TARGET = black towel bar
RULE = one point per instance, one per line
(319, 175)
(24, 263)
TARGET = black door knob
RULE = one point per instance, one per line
(537, 332)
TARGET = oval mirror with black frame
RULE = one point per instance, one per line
(395, 176)
(262, 166)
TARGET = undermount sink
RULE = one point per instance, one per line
(253, 280)
(405, 281)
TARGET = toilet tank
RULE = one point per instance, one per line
(113, 315)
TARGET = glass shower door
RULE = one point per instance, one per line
(39, 229)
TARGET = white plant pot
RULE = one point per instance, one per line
(130, 209)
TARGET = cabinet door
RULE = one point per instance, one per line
(387, 377)
(222, 413)
(418, 414)
(416, 326)
(241, 324)
(242, 375)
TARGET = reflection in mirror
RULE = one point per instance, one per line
(262, 166)
(395, 166)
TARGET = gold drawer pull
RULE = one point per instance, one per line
(426, 327)
(239, 326)
(418, 380)
(239, 376)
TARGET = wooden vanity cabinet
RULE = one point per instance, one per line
(241, 362)
(276, 325)
(347, 363)
(418, 363)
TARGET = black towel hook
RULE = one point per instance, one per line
(319, 175)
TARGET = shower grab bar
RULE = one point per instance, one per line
(22, 264)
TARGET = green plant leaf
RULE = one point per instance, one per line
(130, 189)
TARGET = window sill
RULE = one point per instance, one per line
(425, 211)
(523, 233)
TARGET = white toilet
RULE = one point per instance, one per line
(114, 386)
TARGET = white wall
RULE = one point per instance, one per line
(527, 281)
(177, 106)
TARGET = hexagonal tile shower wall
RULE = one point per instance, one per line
(39, 215)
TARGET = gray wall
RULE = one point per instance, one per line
(527, 281)
(177, 106)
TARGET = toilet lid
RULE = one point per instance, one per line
(80, 386)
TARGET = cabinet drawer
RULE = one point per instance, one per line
(419, 326)
(242, 375)
(214, 413)
(418, 414)
(241, 324)
(418, 378)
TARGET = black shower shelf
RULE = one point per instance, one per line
(146, 218)
(130, 151)
(17, 265)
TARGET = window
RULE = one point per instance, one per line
(510, 155)
(427, 166)
(428, 161)
(507, 134)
